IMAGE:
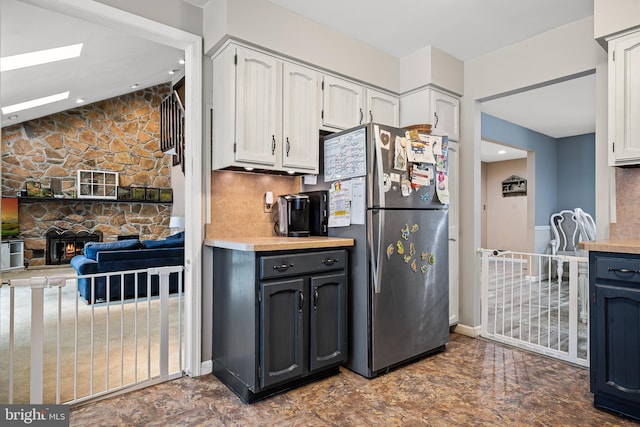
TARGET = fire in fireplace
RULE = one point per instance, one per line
(62, 246)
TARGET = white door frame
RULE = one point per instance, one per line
(93, 11)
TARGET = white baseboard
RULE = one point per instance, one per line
(206, 367)
(469, 331)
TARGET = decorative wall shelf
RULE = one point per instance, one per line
(514, 186)
(84, 200)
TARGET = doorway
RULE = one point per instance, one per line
(191, 45)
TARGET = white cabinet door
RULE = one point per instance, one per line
(383, 108)
(432, 106)
(5, 258)
(342, 103)
(625, 108)
(444, 114)
(300, 136)
(257, 102)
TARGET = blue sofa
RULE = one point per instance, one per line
(125, 255)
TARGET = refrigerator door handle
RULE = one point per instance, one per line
(379, 169)
(376, 257)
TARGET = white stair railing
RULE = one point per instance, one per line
(524, 305)
(97, 346)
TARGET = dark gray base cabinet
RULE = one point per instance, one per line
(279, 318)
(614, 316)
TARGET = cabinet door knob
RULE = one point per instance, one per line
(301, 304)
(316, 294)
(436, 116)
(361, 116)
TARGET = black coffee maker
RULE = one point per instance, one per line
(293, 215)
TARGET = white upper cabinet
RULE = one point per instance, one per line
(432, 106)
(342, 103)
(300, 118)
(265, 112)
(257, 102)
(624, 100)
(383, 108)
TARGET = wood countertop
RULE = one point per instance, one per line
(259, 244)
(612, 245)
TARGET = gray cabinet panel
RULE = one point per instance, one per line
(328, 341)
(614, 321)
(273, 330)
(281, 335)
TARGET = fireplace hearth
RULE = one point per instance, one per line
(62, 246)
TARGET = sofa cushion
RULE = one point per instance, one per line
(155, 244)
(91, 249)
(177, 236)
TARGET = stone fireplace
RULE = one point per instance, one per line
(61, 246)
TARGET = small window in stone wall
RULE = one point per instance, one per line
(97, 184)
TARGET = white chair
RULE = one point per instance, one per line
(587, 232)
(565, 238)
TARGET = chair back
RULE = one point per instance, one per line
(586, 225)
(565, 232)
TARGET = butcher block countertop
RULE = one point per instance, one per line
(617, 245)
(260, 244)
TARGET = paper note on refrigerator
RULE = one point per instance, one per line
(340, 204)
(358, 200)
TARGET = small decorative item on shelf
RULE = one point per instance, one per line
(166, 195)
(137, 193)
(46, 192)
(33, 188)
(124, 193)
(152, 194)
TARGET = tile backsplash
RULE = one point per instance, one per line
(627, 204)
(237, 202)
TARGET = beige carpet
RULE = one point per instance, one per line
(118, 352)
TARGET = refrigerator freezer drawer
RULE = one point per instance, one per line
(274, 266)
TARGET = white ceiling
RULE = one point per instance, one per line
(112, 61)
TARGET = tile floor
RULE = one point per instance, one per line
(474, 382)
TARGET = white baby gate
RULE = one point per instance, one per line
(68, 351)
(525, 305)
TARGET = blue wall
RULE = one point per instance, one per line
(577, 173)
(565, 167)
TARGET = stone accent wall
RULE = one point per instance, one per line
(118, 135)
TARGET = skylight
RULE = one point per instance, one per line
(30, 59)
(35, 103)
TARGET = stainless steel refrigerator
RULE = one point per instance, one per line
(399, 266)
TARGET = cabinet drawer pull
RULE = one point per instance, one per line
(288, 146)
(329, 261)
(282, 267)
(623, 270)
(273, 145)
(315, 298)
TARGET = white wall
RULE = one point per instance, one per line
(507, 217)
(553, 56)
(612, 16)
(267, 25)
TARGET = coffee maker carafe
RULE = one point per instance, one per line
(293, 215)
